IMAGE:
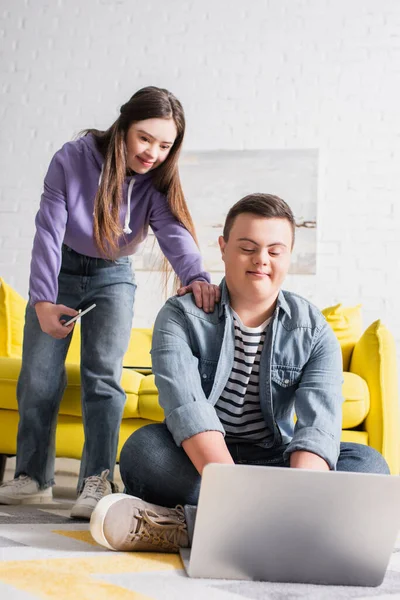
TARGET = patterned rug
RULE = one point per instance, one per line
(44, 555)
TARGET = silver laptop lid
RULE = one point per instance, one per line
(294, 525)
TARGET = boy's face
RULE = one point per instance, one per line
(257, 256)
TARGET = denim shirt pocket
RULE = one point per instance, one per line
(207, 369)
(285, 380)
(285, 376)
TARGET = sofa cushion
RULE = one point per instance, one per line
(355, 437)
(130, 382)
(374, 359)
(142, 394)
(9, 373)
(346, 322)
(74, 350)
(357, 402)
(149, 407)
(12, 318)
(136, 357)
(355, 407)
(138, 354)
(71, 402)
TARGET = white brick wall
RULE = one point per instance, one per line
(278, 74)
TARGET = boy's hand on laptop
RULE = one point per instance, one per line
(205, 294)
(307, 460)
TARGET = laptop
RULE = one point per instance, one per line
(294, 525)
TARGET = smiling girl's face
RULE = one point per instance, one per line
(149, 142)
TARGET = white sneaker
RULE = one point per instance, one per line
(96, 487)
(129, 524)
(24, 490)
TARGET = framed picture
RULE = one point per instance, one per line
(214, 180)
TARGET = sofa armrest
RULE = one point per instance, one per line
(374, 359)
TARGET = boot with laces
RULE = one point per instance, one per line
(96, 487)
(129, 524)
(24, 490)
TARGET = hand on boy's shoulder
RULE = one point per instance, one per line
(205, 294)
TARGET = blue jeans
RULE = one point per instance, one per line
(105, 333)
(155, 469)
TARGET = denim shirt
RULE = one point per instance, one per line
(300, 372)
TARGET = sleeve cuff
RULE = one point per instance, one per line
(200, 277)
(34, 301)
(310, 439)
(190, 419)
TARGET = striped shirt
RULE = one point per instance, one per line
(238, 407)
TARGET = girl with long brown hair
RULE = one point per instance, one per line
(101, 193)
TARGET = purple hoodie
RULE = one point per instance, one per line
(66, 216)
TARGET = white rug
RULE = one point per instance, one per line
(44, 555)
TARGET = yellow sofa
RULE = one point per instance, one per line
(370, 411)
(142, 399)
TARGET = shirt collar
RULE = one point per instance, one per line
(281, 301)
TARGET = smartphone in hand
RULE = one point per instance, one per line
(79, 315)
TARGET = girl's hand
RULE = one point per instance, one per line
(205, 294)
(49, 319)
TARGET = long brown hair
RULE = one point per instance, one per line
(148, 103)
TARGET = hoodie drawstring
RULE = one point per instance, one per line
(126, 228)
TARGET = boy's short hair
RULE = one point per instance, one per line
(261, 205)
